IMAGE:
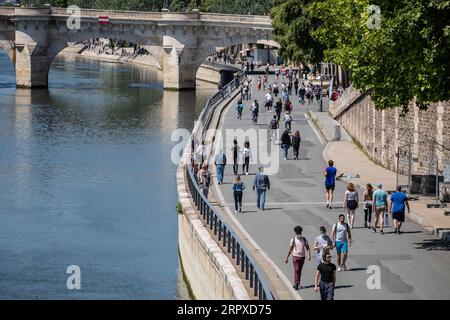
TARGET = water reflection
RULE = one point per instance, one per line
(86, 179)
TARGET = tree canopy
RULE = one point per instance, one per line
(397, 53)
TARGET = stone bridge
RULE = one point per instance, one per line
(180, 42)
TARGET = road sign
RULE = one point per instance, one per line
(103, 19)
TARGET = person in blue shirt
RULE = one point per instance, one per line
(330, 180)
(261, 184)
(397, 208)
(238, 190)
(380, 207)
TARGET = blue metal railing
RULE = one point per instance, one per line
(229, 240)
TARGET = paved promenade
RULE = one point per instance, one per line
(414, 265)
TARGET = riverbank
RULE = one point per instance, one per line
(207, 73)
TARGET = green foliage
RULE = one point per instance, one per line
(179, 208)
(293, 25)
(407, 58)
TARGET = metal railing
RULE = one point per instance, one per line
(230, 241)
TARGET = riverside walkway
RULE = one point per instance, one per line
(409, 267)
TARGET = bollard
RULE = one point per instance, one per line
(337, 133)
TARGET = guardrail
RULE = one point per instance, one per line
(233, 244)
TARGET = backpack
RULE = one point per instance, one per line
(346, 225)
(274, 124)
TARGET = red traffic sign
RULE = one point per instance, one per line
(103, 19)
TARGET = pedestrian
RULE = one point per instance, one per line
(380, 205)
(236, 150)
(351, 200)
(220, 161)
(318, 92)
(397, 208)
(273, 125)
(296, 85)
(301, 94)
(342, 240)
(246, 157)
(330, 180)
(287, 121)
(327, 273)
(296, 140)
(285, 143)
(255, 111)
(309, 94)
(239, 108)
(204, 180)
(275, 89)
(368, 203)
(261, 184)
(322, 245)
(298, 246)
(269, 100)
(258, 83)
(201, 153)
(278, 108)
(238, 190)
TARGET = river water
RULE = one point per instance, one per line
(86, 179)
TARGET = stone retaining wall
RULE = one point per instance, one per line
(380, 133)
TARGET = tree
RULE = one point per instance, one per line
(293, 24)
(406, 58)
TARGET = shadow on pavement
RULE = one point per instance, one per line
(344, 286)
(433, 244)
(357, 269)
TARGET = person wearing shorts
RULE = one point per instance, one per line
(397, 207)
(380, 206)
(330, 180)
(342, 239)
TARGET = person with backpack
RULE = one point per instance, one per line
(368, 193)
(220, 161)
(342, 240)
(296, 140)
(273, 125)
(351, 201)
(285, 143)
(238, 190)
(261, 184)
(299, 247)
(236, 150)
(239, 108)
(204, 180)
